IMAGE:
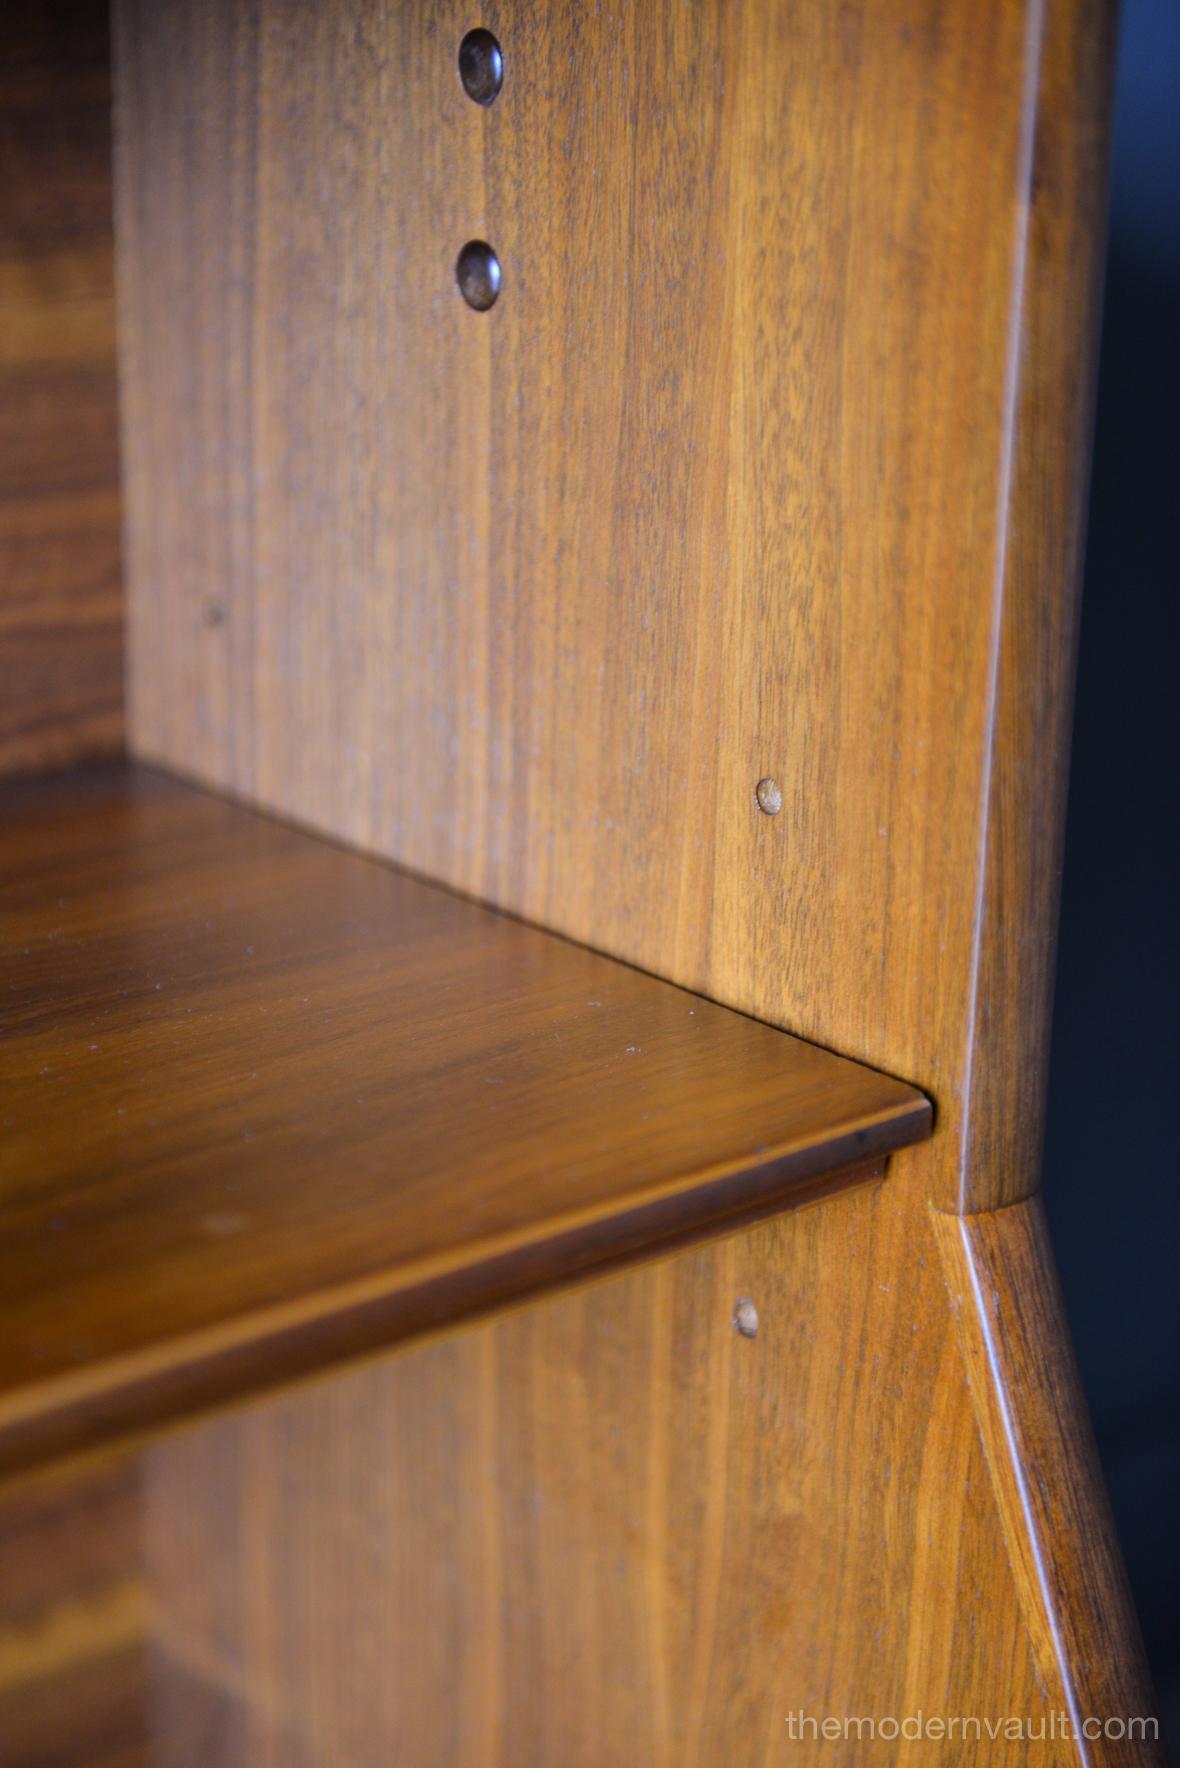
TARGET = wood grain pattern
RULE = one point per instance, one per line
(267, 1103)
(61, 626)
(1044, 1464)
(607, 1529)
(766, 462)
(1035, 638)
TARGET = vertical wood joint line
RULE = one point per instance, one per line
(986, 1324)
(1034, 43)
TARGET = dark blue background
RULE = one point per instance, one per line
(1112, 1176)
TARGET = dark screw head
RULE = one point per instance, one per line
(477, 271)
(481, 66)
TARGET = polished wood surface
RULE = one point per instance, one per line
(710, 599)
(1055, 315)
(266, 1103)
(1043, 1463)
(609, 1529)
(61, 637)
(767, 463)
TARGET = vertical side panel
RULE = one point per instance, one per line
(1045, 1473)
(1027, 759)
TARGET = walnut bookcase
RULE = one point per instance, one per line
(529, 895)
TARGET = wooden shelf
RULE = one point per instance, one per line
(268, 1104)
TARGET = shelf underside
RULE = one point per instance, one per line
(267, 1104)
